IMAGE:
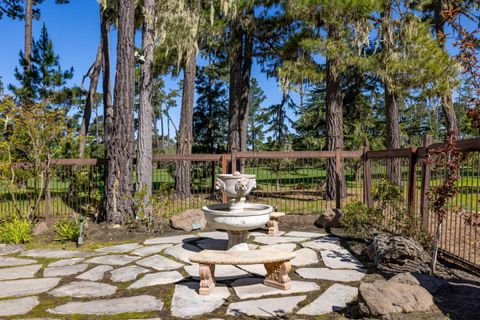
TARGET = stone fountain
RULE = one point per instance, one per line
(237, 217)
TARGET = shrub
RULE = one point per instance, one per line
(360, 220)
(67, 230)
(16, 231)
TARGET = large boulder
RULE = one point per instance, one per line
(330, 218)
(40, 228)
(431, 283)
(189, 220)
(382, 298)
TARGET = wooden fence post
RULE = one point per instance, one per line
(426, 173)
(412, 181)
(367, 176)
(224, 171)
(338, 172)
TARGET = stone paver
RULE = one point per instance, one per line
(64, 271)
(84, 289)
(55, 254)
(173, 239)
(186, 301)
(159, 263)
(278, 239)
(213, 244)
(222, 272)
(272, 307)
(114, 260)
(18, 306)
(148, 251)
(334, 298)
(340, 259)
(19, 272)
(285, 247)
(66, 262)
(10, 248)
(323, 243)
(128, 273)
(135, 304)
(11, 261)
(155, 279)
(182, 251)
(95, 274)
(26, 287)
(258, 269)
(304, 234)
(331, 275)
(214, 235)
(120, 248)
(247, 288)
(304, 257)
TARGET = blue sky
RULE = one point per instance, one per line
(75, 31)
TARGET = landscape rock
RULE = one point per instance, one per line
(272, 307)
(159, 263)
(247, 288)
(382, 298)
(431, 283)
(95, 274)
(17, 306)
(120, 248)
(188, 219)
(11, 261)
(114, 260)
(330, 274)
(64, 271)
(335, 298)
(84, 289)
(330, 218)
(143, 303)
(19, 272)
(187, 303)
(40, 228)
(26, 287)
(128, 273)
(155, 279)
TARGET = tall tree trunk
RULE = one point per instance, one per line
(121, 150)
(235, 61)
(145, 116)
(392, 119)
(162, 131)
(334, 102)
(94, 74)
(451, 121)
(185, 132)
(27, 55)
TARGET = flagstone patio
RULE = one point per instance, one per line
(155, 279)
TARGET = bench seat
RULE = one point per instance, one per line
(277, 264)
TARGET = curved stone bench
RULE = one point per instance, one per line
(277, 264)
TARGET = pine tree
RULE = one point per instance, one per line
(277, 122)
(256, 118)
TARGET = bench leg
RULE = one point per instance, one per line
(277, 275)
(207, 278)
(273, 227)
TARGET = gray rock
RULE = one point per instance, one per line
(340, 259)
(382, 298)
(143, 303)
(272, 307)
(26, 287)
(120, 248)
(222, 272)
(114, 260)
(182, 251)
(173, 239)
(187, 303)
(11, 261)
(148, 251)
(304, 234)
(159, 263)
(40, 228)
(18, 306)
(323, 243)
(431, 283)
(331, 275)
(128, 273)
(304, 257)
(64, 271)
(10, 248)
(84, 289)
(277, 239)
(333, 299)
(155, 279)
(95, 274)
(66, 262)
(19, 272)
(55, 254)
(214, 235)
(188, 219)
(247, 288)
(330, 218)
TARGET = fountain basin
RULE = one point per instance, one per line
(236, 185)
(252, 216)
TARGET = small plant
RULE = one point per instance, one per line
(67, 230)
(16, 231)
(360, 220)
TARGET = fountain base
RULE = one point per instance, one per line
(237, 241)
